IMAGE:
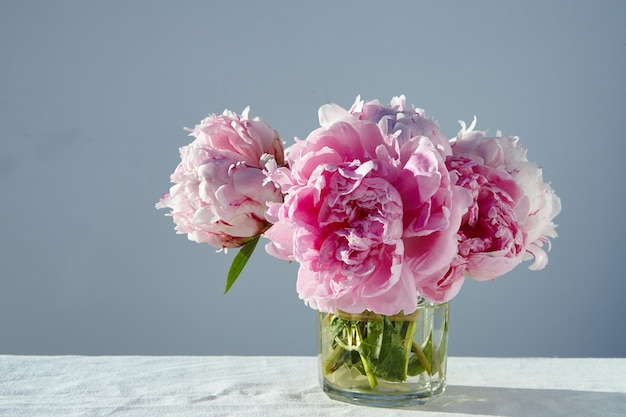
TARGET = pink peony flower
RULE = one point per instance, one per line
(492, 235)
(371, 217)
(395, 119)
(376, 205)
(513, 209)
(219, 196)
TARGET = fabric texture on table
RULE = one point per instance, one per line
(73, 386)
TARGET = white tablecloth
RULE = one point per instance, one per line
(272, 386)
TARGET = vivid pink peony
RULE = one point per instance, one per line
(511, 216)
(492, 235)
(370, 215)
(219, 196)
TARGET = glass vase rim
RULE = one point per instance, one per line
(368, 315)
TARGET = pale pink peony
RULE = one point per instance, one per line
(370, 218)
(513, 209)
(396, 119)
(219, 196)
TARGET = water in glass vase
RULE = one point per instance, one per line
(386, 361)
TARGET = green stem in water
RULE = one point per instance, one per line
(369, 372)
(408, 344)
(329, 363)
(423, 359)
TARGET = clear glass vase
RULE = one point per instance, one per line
(385, 361)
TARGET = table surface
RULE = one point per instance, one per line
(288, 386)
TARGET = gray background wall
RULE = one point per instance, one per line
(94, 95)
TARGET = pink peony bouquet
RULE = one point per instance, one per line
(376, 205)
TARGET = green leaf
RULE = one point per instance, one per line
(336, 326)
(383, 350)
(370, 346)
(240, 260)
(391, 363)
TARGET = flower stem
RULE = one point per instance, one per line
(423, 359)
(408, 344)
(329, 363)
(369, 372)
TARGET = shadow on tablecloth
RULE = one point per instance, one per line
(520, 402)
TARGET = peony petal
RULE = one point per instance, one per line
(332, 113)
